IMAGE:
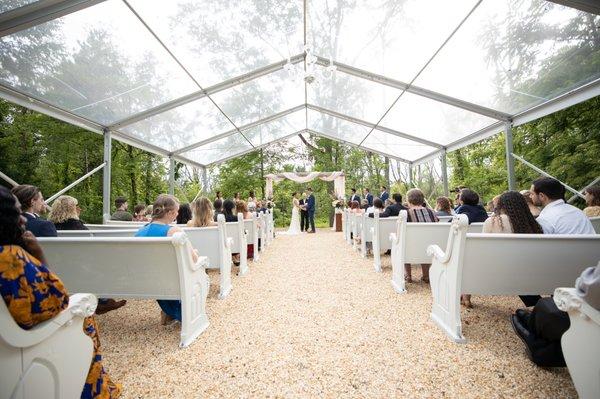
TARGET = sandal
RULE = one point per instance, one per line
(165, 318)
(408, 279)
(108, 305)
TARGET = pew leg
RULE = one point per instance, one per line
(398, 272)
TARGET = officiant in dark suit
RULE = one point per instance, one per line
(311, 206)
(303, 213)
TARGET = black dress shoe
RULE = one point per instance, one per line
(523, 315)
(523, 333)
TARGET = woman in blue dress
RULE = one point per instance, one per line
(164, 212)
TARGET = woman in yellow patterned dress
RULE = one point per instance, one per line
(34, 294)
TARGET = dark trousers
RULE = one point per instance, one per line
(547, 321)
(530, 300)
(303, 221)
(311, 220)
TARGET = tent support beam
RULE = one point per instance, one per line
(171, 175)
(542, 172)
(360, 73)
(76, 182)
(106, 176)
(372, 125)
(8, 179)
(39, 12)
(445, 173)
(510, 162)
(257, 73)
(596, 180)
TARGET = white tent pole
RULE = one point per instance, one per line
(445, 173)
(410, 175)
(8, 179)
(106, 176)
(596, 180)
(510, 162)
(171, 175)
(204, 181)
(76, 182)
(532, 166)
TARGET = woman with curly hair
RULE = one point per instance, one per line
(33, 294)
(592, 200)
(511, 216)
(65, 214)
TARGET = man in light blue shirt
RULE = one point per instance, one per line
(558, 217)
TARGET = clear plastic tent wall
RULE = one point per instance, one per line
(206, 81)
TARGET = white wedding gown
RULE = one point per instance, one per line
(295, 222)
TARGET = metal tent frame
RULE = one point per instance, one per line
(42, 11)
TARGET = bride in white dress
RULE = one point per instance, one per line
(295, 222)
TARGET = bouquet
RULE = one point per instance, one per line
(338, 204)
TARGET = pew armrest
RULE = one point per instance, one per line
(436, 252)
(201, 263)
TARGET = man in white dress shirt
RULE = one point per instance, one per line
(558, 217)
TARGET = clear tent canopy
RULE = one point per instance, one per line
(206, 81)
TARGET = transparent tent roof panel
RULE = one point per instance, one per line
(181, 126)
(260, 97)
(352, 96)
(396, 146)
(497, 59)
(219, 40)
(388, 37)
(100, 63)
(218, 150)
(9, 5)
(335, 127)
(276, 129)
(433, 120)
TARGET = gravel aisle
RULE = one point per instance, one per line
(313, 319)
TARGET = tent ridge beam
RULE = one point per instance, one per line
(39, 12)
(360, 73)
(227, 84)
(372, 125)
(245, 127)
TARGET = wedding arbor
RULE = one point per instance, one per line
(201, 82)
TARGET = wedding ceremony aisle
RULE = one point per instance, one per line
(313, 319)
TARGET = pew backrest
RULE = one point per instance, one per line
(596, 224)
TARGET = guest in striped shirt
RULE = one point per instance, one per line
(417, 212)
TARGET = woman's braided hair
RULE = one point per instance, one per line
(164, 204)
(513, 205)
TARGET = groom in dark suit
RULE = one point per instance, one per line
(310, 209)
(303, 213)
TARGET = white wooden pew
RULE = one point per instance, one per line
(357, 222)
(237, 231)
(346, 225)
(596, 223)
(135, 267)
(252, 234)
(216, 243)
(377, 231)
(502, 264)
(410, 241)
(262, 230)
(270, 226)
(581, 342)
(50, 360)
(120, 226)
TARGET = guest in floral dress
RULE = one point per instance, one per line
(34, 294)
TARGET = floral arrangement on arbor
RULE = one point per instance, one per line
(338, 204)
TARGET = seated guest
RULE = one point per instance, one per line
(417, 213)
(202, 213)
(592, 200)
(355, 207)
(121, 212)
(535, 211)
(185, 214)
(541, 330)
(218, 207)
(470, 206)
(33, 294)
(242, 208)
(149, 213)
(364, 204)
(65, 214)
(393, 209)
(443, 207)
(139, 213)
(229, 210)
(164, 212)
(261, 206)
(558, 217)
(512, 216)
(32, 204)
(377, 205)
